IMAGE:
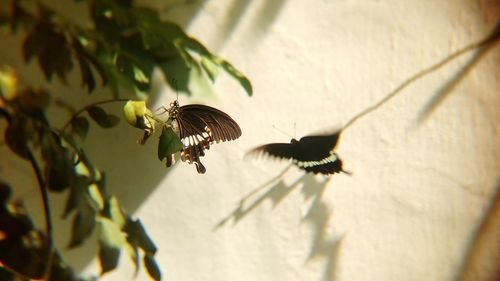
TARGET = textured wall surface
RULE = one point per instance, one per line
(422, 201)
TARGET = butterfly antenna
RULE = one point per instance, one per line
(283, 132)
(174, 83)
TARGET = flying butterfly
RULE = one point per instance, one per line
(311, 153)
(199, 126)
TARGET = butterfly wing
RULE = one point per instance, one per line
(278, 150)
(317, 148)
(311, 153)
(199, 127)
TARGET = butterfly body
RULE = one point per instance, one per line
(311, 153)
(200, 126)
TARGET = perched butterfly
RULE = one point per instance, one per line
(198, 127)
(311, 153)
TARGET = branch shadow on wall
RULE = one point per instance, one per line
(323, 247)
(480, 261)
(448, 87)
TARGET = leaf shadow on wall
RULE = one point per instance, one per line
(323, 247)
(265, 15)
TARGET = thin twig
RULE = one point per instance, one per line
(490, 39)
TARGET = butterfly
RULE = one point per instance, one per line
(199, 126)
(311, 153)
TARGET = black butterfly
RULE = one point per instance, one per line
(198, 127)
(311, 153)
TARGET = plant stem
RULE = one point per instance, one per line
(46, 208)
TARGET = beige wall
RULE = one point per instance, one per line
(419, 191)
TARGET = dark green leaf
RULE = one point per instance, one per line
(137, 236)
(111, 239)
(18, 136)
(6, 275)
(102, 118)
(169, 143)
(26, 254)
(177, 74)
(35, 40)
(76, 194)
(33, 102)
(59, 161)
(83, 224)
(5, 193)
(152, 267)
(23, 249)
(80, 126)
(87, 76)
(60, 271)
(108, 258)
(51, 48)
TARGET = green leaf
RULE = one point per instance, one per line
(133, 253)
(102, 118)
(111, 239)
(195, 46)
(152, 267)
(83, 224)
(242, 79)
(137, 236)
(169, 143)
(97, 197)
(115, 213)
(210, 68)
(76, 194)
(177, 74)
(51, 49)
(80, 126)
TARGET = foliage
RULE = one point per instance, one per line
(121, 49)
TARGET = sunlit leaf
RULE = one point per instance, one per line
(133, 253)
(114, 212)
(134, 111)
(8, 83)
(111, 239)
(95, 194)
(169, 143)
(152, 267)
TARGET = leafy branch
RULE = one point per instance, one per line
(121, 48)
